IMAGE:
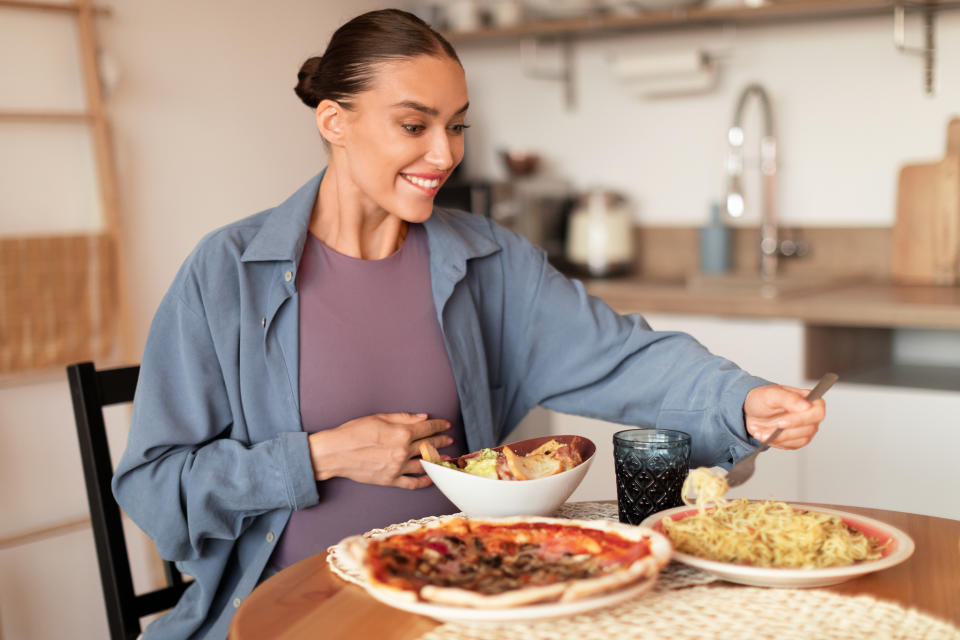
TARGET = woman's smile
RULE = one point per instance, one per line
(427, 183)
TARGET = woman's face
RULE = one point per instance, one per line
(404, 135)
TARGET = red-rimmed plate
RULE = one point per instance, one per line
(899, 547)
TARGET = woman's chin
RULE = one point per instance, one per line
(417, 213)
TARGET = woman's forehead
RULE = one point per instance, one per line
(437, 83)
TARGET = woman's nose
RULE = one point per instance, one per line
(440, 155)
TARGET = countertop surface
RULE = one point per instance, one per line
(840, 302)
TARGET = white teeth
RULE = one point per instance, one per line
(429, 184)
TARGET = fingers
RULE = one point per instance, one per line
(439, 441)
(411, 467)
(794, 442)
(384, 448)
(787, 420)
(426, 428)
(802, 392)
(789, 399)
(403, 417)
(412, 482)
(773, 407)
(770, 401)
(790, 439)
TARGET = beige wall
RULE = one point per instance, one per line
(207, 129)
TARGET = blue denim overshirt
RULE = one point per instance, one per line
(216, 458)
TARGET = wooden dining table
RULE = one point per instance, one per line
(307, 600)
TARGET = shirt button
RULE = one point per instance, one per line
(270, 536)
(288, 276)
(236, 603)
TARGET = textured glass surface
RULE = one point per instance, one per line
(650, 474)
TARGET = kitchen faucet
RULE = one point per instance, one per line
(769, 243)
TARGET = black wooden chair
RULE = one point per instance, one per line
(92, 390)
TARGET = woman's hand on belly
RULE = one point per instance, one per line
(379, 449)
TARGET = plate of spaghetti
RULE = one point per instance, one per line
(775, 544)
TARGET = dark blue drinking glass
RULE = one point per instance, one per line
(650, 465)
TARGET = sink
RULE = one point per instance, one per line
(752, 285)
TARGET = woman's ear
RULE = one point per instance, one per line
(330, 121)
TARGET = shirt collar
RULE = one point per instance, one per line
(284, 231)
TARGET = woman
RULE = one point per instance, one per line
(303, 353)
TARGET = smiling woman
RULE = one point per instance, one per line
(304, 353)
(391, 150)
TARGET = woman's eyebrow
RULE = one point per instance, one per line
(416, 106)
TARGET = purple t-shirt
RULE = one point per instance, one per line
(370, 343)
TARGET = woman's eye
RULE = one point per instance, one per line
(458, 129)
(413, 128)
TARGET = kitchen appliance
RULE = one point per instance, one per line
(926, 232)
(537, 209)
(600, 235)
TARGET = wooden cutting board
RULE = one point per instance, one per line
(953, 136)
(926, 232)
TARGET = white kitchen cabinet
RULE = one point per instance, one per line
(888, 448)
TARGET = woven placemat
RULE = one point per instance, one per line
(722, 612)
(687, 603)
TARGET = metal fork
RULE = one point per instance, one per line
(743, 470)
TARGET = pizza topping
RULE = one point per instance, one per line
(495, 558)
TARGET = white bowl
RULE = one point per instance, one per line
(486, 497)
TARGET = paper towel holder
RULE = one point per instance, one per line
(673, 74)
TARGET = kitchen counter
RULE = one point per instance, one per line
(842, 303)
(850, 325)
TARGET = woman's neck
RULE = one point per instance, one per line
(349, 223)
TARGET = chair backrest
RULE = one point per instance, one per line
(91, 390)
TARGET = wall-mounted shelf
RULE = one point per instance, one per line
(778, 11)
(565, 31)
(63, 7)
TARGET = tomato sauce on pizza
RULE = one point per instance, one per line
(493, 558)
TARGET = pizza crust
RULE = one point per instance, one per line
(580, 589)
(514, 598)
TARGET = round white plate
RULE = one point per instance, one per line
(899, 549)
(527, 613)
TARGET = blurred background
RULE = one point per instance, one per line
(124, 141)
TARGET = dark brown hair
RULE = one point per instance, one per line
(347, 66)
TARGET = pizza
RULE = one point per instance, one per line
(508, 562)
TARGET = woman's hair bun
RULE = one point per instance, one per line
(348, 65)
(305, 84)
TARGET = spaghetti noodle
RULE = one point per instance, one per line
(763, 534)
